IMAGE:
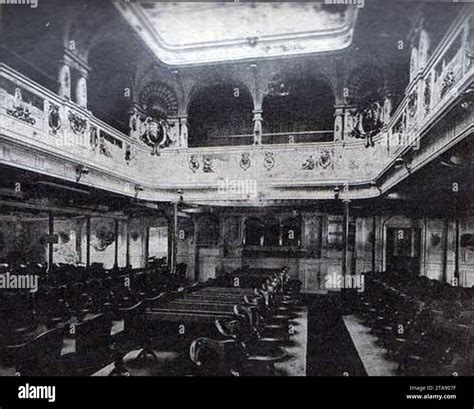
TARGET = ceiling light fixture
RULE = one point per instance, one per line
(252, 41)
(400, 162)
(373, 183)
(180, 194)
(80, 171)
(138, 189)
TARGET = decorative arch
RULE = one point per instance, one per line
(219, 111)
(88, 30)
(158, 96)
(365, 84)
(215, 76)
(366, 90)
(299, 101)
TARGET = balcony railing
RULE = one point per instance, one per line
(278, 138)
(297, 137)
(446, 73)
(32, 111)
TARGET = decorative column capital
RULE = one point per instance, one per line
(76, 62)
(339, 110)
(257, 114)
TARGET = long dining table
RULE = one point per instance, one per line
(201, 306)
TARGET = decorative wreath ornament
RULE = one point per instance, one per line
(93, 138)
(78, 124)
(54, 119)
(154, 132)
(207, 166)
(324, 159)
(245, 161)
(193, 163)
(368, 123)
(269, 161)
(309, 163)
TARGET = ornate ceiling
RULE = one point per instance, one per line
(198, 33)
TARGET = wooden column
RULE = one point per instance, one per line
(196, 250)
(116, 231)
(280, 233)
(345, 237)
(88, 242)
(147, 245)
(170, 242)
(456, 253)
(50, 241)
(127, 246)
(374, 242)
(444, 277)
(174, 233)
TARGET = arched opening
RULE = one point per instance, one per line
(221, 115)
(298, 109)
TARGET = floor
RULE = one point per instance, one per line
(331, 350)
(295, 365)
(372, 356)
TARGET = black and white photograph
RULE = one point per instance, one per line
(211, 190)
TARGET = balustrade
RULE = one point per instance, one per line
(448, 70)
(31, 110)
